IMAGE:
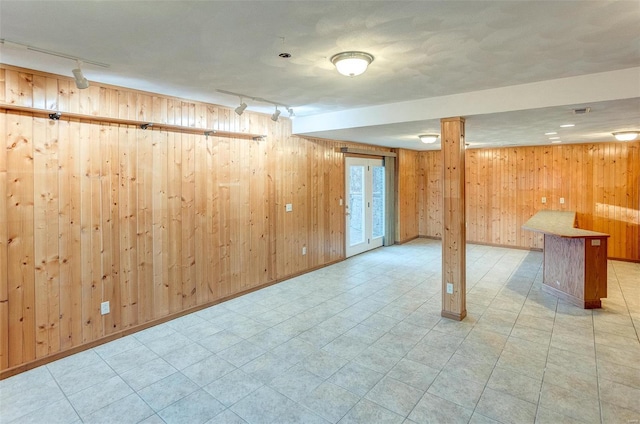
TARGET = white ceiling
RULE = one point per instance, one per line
(423, 50)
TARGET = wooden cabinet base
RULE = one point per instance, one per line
(585, 304)
(575, 269)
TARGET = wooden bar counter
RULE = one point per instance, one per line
(575, 260)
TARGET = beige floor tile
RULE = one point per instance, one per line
(584, 385)
(432, 409)
(505, 408)
(619, 394)
(461, 391)
(567, 402)
(518, 385)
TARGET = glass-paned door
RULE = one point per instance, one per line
(365, 204)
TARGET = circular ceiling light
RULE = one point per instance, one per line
(428, 138)
(351, 64)
(626, 135)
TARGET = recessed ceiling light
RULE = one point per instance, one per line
(557, 141)
(554, 138)
(551, 133)
(285, 55)
(567, 125)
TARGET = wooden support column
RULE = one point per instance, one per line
(454, 300)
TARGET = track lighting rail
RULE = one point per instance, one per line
(20, 46)
(47, 113)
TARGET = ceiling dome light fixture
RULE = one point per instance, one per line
(351, 64)
(428, 138)
(626, 135)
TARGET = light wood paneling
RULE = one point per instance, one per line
(155, 221)
(407, 196)
(454, 303)
(505, 188)
(4, 284)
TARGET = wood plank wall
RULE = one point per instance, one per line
(407, 180)
(600, 181)
(154, 221)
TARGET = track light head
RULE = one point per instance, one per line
(240, 109)
(275, 115)
(291, 114)
(81, 81)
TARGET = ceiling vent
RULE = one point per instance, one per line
(582, 111)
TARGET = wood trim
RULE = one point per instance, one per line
(46, 113)
(454, 315)
(584, 304)
(407, 240)
(356, 151)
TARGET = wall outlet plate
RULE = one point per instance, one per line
(304, 250)
(449, 288)
(562, 200)
(288, 207)
(104, 308)
(544, 200)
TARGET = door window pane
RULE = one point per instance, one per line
(378, 201)
(356, 203)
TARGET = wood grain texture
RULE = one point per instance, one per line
(453, 212)
(407, 195)
(575, 269)
(600, 181)
(154, 221)
(4, 283)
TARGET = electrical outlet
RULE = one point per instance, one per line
(288, 207)
(449, 288)
(562, 200)
(544, 200)
(340, 201)
(104, 308)
(304, 250)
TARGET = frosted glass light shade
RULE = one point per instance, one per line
(428, 138)
(625, 135)
(351, 64)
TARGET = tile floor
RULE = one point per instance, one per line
(362, 341)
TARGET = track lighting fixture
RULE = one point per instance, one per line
(145, 126)
(81, 81)
(55, 116)
(275, 115)
(240, 109)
